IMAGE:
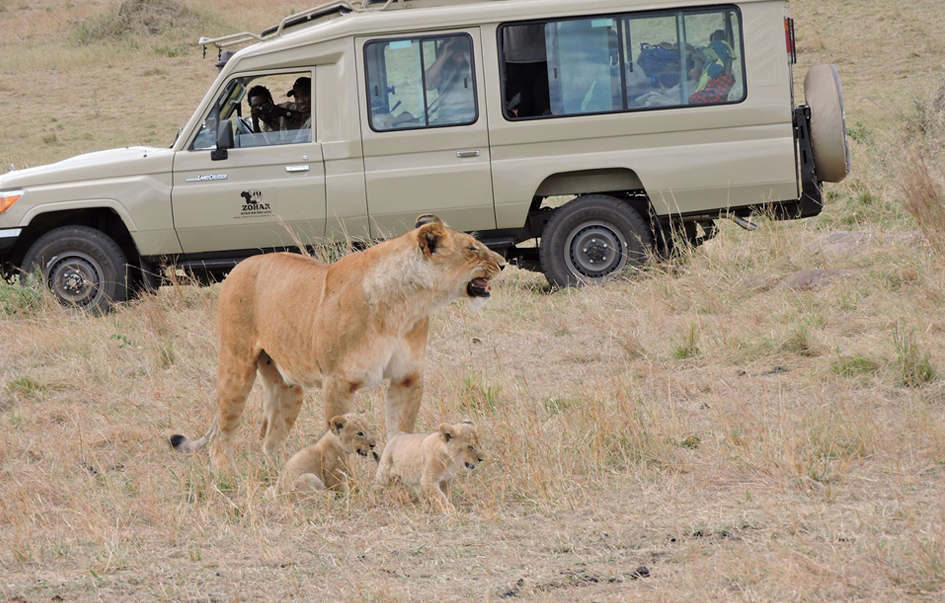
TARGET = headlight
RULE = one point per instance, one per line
(8, 198)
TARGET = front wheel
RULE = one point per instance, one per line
(82, 266)
(592, 238)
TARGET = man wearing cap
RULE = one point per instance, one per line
(288, 115)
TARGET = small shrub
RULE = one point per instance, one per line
(800, 341)
(26, 387)
(166, 50)
(924, 200)
(478, 396)
(688, 346)
(914, 367)
(556, 406)
(134, 18)
(22, 300)
(853, 366)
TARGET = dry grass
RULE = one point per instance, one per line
(760, 419)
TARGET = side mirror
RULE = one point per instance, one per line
(224, 141)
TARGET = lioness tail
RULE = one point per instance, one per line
(182, 443)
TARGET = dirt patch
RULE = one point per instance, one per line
(814, 278)
(844, 243)
(572, 579)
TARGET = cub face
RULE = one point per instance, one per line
(462, 444)
(352, 430)
(465, 266)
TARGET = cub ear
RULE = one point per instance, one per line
(337, 424)
(425, 219)
(430, 237)
(447, 431)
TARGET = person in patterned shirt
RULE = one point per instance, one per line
(716, 80)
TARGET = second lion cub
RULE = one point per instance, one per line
(324, 464)
(430, 460)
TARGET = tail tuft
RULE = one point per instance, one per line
(177, 440)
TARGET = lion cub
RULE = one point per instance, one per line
(430, 460)
(324, 464)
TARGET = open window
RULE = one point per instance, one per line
(261, 110)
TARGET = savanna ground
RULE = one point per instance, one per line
(760, 420)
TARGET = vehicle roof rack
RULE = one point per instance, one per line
(338, 7)
(380, 5)
(386, 3)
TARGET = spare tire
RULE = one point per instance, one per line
(828, 127)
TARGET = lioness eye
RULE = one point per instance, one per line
(473, 448)
(360, 434)
(472, 248)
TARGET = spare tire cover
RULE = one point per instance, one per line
(828, 128)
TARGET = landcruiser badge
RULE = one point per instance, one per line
(207, 177)
(252, 207)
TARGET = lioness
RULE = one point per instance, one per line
(430, 460)
(339, 327)
(324, 464)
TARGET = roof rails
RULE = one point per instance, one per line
(386, 3)
(381, 5)
(338, 7)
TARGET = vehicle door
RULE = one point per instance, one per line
(268, 190)
(424, 130)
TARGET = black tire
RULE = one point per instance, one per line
(578, 241)
(82, 266)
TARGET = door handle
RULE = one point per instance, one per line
(296, 168)
(465, 154)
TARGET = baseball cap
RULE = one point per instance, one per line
(302, 82)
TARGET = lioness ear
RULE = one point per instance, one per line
(430, 237)
(466, 421)
(447, 431)
(424, 219)
(336, 424)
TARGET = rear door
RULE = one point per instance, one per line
(424, 129)
(269, 192)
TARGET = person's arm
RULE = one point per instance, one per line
(434, 75)
(293, 115)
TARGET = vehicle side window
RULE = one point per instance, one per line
(620, 63)
(420, 82)
(257, 114)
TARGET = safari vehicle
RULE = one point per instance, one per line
(601, 129)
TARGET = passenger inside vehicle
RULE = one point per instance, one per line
(709, 76)
(450, 77)
(526, 70)
(716, 79)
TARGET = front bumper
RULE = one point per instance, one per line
(8, 238)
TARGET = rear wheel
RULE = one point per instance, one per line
(592, 238)
(82, 266)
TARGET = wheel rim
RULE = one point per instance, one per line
(76, 278)
(595, 249)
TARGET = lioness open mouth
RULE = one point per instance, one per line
(479, 287)
(470, 466)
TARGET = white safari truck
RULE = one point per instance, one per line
(598, 128)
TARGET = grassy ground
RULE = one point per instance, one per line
(761, 420)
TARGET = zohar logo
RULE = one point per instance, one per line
(252, 205)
